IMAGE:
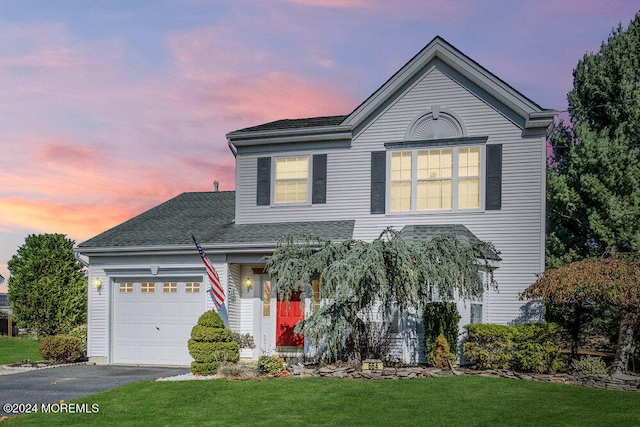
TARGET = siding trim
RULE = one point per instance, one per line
(475, 140)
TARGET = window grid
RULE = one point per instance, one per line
(126, 288)
(469, 178)
(147, 287)
(434, 176)
(169, 287)
(192, 287)
(436, 179)
(401, 166)
(266, 298)
(291, 179)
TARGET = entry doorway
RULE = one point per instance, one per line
(289, 313)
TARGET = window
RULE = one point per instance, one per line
(192, 287)
(126, 288)
(266, 298)
(435, 179)
(169, 287)
(147, 287)
(315, 287)
(292, 177)
(476, 309)
(469, 178)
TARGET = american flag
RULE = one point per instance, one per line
(216, 287)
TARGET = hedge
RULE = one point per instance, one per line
(530, 347)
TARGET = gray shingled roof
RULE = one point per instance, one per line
(295, 124)
(420, 233)
(210, 217)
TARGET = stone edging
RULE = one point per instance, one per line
(348, 372)
(15, 368)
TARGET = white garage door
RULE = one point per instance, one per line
(152, 321)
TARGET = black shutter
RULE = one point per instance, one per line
(494, 178)
(263, 188)
(378, 184)
(319, 184)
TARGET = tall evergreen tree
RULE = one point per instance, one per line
(593, 180)
(47, 287)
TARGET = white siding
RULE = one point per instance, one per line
(234, 297)
(517, 230)
(97, 318)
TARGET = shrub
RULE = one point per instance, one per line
(211, 345)
(528, 347)
(238, 372)
(440, 318)
(206, 334)
(60, 348)
(244, 341)
(536, 348)
(589, 365)
(489, 346)
(440, 353)
(273, 365)
(80, 332)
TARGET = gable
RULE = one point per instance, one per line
(468, 73)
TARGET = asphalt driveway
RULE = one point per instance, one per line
(51, 385)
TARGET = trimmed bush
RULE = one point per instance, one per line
(80, 332)
(60, 348)
(211, 319)
(440, 353)
(536, 348)
(528, 347)
(589, 365)
(214, 351)
(273, 365)
(200, 368)
(211, 345)
(440, 318)
(489, 346)
(206, 334)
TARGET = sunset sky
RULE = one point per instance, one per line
(108, 108)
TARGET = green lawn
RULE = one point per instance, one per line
(13, 350)
(456, 401)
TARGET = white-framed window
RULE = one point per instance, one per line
(192, 287)
(476, 308)
(291, 179)
(147, 287)
(126, 288)
(435, 179)
(266, 298)
(169, 287)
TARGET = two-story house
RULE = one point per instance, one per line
(443, 146)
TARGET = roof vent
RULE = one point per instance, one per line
(215, 186)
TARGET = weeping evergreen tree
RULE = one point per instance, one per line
(362, 283)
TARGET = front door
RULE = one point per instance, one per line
(288, 314)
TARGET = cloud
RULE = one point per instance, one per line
(77, 221)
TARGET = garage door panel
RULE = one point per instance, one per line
(153, 328)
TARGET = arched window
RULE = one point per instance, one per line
(434, 125)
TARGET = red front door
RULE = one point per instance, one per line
(288, 314)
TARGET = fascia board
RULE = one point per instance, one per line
(325, 133)
(175, 249)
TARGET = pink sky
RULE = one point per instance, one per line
(109, 110)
